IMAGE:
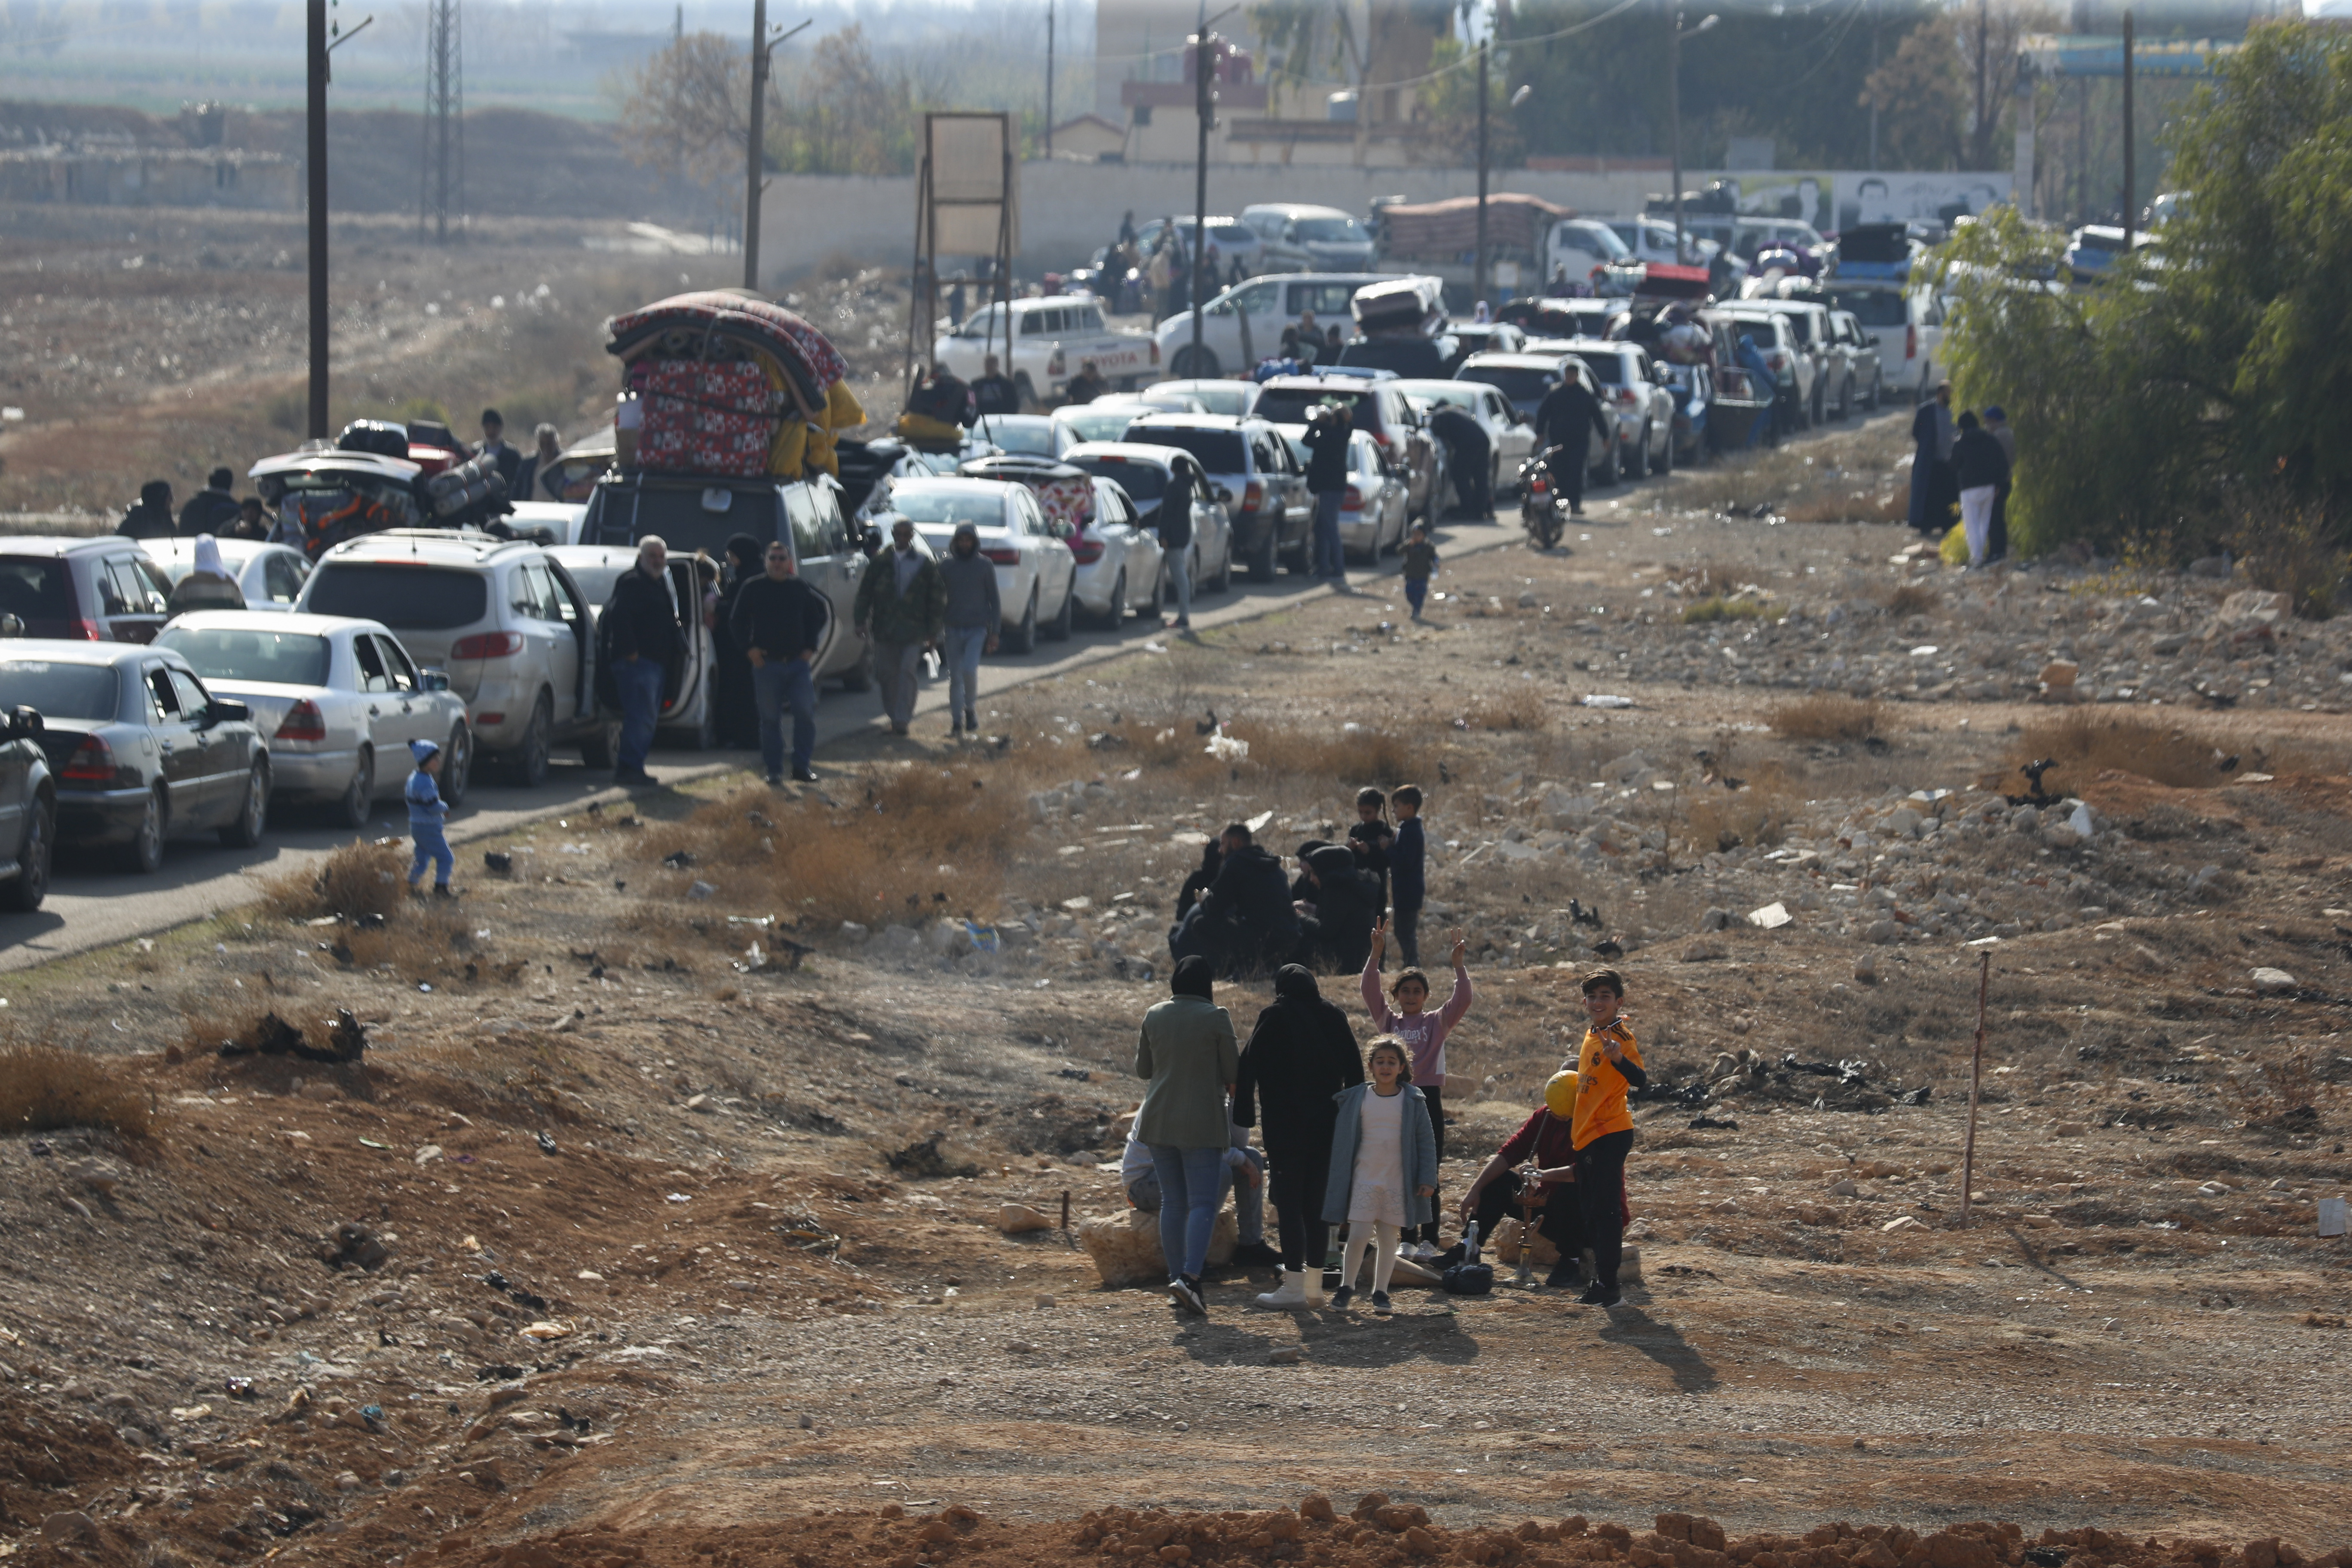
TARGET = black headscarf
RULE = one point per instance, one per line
(745, 552)
(1193, 978)
(1295, 982)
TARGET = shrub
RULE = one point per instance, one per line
(1717, 608)
(44, 1088)
(362, 878)
(2087, 745)
(1825, 717)
(1913, 599)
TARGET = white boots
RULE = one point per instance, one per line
(1293, 1292)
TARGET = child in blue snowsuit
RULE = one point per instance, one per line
(426, 810)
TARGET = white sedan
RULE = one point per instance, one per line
(270, 577)
(1373, 510)
(1119, 562)
(1509, 437)
(338, 699)
(1036, 575)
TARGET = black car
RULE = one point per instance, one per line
(28, 812)
(138, 749)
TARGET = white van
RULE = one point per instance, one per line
(1583, 249)
(1243, 324)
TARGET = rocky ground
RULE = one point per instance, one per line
(659, 1220)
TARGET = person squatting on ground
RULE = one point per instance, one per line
(642, 635)
(780, 623)
(1244, 920)
(902, 605)
(426, 810)
(1186, 1049)
(972, 616)
(1383, 1172)
(1408, 881)
(1546, 1199)
(1423, 1033)
(1243, 1176)
(1301, 1054)
(1607, 1064)
(1337, 905)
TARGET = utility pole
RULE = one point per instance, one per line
(755, 153)
(1049, 79)
(1675, 116)
(1873, 72)
(1984, 43)
(1205, 105)
(445, 123)
(317, 153)
(1478, 277)
(2131, 184)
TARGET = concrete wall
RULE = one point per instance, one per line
(1067, 209)
(168, 177)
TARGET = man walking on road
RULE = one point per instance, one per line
(779, 621)
(641, 637)
(1565, 420)
(1328, 426)
(902, 604)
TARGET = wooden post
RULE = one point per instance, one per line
(1975, 1085)
(1066, 1208)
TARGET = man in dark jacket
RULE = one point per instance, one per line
(1328, 428)
(942, 396)
(1174, 520)
(641, 637)
(1980, 468)
(1200, 880)
(1301, 1053)
(902, 604)
(212, 510)
(780, 622)
(498, 450)
(992, 390)
(151, 516)
(1347, 905)
(1567, 420)
(1244, 917)
(1469, 456)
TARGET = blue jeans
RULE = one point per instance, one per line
(640, 681)
(1188, 1206)
(777, 685)
(1331, 559)
(432, 845)
(1249, 1203)
(1416, 589)
(1180, 577)
(965, 644)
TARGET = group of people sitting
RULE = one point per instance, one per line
(1356, 1137)
(1243, 914)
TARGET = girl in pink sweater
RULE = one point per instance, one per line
(1423, 1033)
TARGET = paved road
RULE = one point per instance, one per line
(90, 906)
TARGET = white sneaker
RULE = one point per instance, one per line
(1292, 1293)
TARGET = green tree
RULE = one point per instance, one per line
(2203, 384)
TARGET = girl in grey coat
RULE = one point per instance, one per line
(1383, 1168)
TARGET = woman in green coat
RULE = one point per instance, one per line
(1188, 1051)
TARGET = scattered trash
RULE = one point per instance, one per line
(1771, 917)
(272, 1035)
(700, 891)
(679, 859)
(551, 1328)
(1714, 1123)
(430, 1152)
(546, 1143)
(1603, 699)
(923, 1159)
(355, 1246)
(497, 862)
(2331, 1217)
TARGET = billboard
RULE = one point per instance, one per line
(1832, 200)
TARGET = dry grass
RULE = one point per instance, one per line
(1825, 717)
(46, 1088)
(2087, 745)
(362, 878)
(1519, 706)
(1725, 819)
(1364, 755)
(1913, 599)
(1711, 580)
(902, 844)
(1717, 608)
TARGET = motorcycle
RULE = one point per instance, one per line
(1543, 510)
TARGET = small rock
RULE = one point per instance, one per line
(700, 890)
(1714, 919)
(1045, 1303)
(1285, 1355)
(2269, 982)
(1020, 1219)
(1527, 599)
(1844, 1187)
(2058, 672)
(1881, 932)
(1905, 1222)
(72, 1525)
(348, 1481)
(853, 934)
(1865, 969)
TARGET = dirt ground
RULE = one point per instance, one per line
(659, 1220)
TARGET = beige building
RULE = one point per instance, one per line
(1315, 96)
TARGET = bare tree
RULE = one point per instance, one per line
(686, 111)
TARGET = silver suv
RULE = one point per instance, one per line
(504, 617)
(1635, 396)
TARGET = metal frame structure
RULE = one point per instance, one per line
(445, 123)
(956, 192)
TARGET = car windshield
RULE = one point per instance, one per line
(1233, 234)
(1330, 231)
(2088, 240)
(290, 658)
(1220, 451)
(1872, 307)
(1452, 394)
(687, 517)
(1288, 404)
(1018, 433)
(1229, 398)
(1098, 424)
(945, 508)
(1598, 238)
(1142, 481)
(405, 597)
(1520, 384)
(61, 690)
(1608, 369)
(35, 589)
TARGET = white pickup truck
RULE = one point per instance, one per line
(1051, 339)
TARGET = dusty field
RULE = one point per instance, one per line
(717, 1321)
(157, 343)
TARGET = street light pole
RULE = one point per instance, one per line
(755, 153)
(1478, 277)
(317, 154)
(1674, 117)
(2130, 181)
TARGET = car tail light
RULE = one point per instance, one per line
(1252, 494)
(303, 722)
(1911, 341)
(1058, 365)
(1353, 500)
(88, 631)
(1087, 551)
(1001, 554)
(489, 645)
(1624, 395)
(92, 763)
(1538, 482)
(487, 721)
(1155, 352)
